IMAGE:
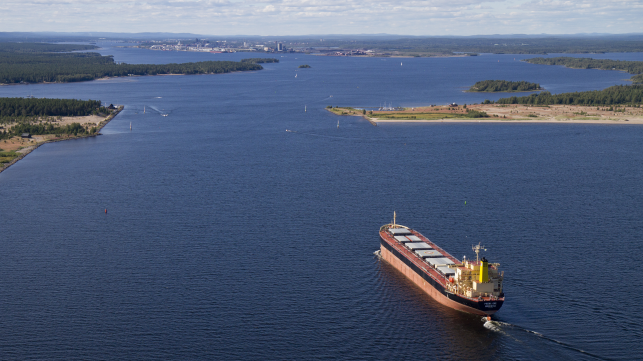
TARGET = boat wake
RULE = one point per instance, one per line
(500, 327)
(378, 254)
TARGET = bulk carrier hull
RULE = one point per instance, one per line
(430, 279)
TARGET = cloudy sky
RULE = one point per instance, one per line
(301, 17)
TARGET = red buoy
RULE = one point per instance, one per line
(105, 210)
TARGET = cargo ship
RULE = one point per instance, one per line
(470, 286)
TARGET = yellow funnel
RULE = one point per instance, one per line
(484, 270)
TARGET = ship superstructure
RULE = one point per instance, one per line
(467, 285)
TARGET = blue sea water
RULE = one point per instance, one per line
(227, 237)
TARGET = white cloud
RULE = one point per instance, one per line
(296, 17)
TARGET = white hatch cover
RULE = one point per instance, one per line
(401, 238)
(429, 253)
(418, 245)
(447, 271)
(399, 231)
(435, 261)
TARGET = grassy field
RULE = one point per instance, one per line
(456, 113)
(6, 157)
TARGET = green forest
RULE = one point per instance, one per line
(632, 67)
(18, 65)
(260, 60)
(34, 107)
(22, 113)
(504, 86)
(42, 47)
(618, 94)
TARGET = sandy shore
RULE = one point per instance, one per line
(573, 114)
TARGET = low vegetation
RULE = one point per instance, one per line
(304, 66)
(6, 157)
(504, 86)
(405, 114)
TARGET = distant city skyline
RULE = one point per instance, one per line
(303, 17)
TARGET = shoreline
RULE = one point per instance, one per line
(505, 91)
(30, 148)
(514, 113)
(492, 120)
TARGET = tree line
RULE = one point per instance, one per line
(39, 129)
(9, 47)
(618, 94)
(632, 67)
(34, 107)
(491, 44)
(504, 86)
(260, 60)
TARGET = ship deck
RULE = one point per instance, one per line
(428, 269)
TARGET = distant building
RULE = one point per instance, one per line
(26, 135)
(280, 46)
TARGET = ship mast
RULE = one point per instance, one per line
(477, 248)
(393, 219)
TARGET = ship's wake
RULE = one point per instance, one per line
(502, 327)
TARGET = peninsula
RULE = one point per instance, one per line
(616, 104)
(487, 113)
(26, 124)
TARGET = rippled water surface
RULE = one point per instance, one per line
(227, 237)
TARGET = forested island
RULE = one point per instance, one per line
(25, 63)
(632, 67)
(615, 95)
(260, 60)
(493, 86)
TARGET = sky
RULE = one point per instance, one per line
(304, 17)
